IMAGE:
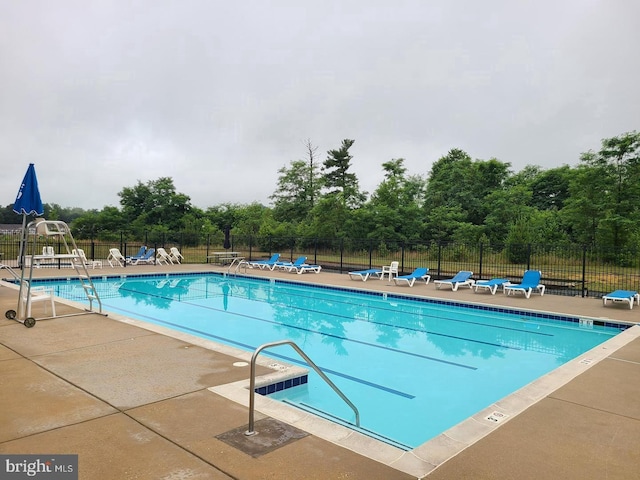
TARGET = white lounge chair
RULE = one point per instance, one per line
(176, 256)
(116, 257)
(82, 258)
(461, 279)
(163, 257)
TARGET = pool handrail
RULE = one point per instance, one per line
(252, 381)
(240, 261)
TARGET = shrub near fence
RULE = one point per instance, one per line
(566, 269)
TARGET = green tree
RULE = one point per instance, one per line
(550, 189)
(291, 201)
(106, 224)
(339, 180)
(604, 203)
(53, 211)
(448, 181)
(298, 188)
(455, 181)
(249, 219)
(487, 176)
(443, 222)
(507, 206)
(584, 208)
(518, 239)
(328, 218)
(394, 210)
(154, 204)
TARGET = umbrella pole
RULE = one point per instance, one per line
(22, 241)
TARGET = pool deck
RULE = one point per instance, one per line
(135, 403)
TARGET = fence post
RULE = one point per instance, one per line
(584, 269)
(315, 251)
(341, 253)
(480, 260)
(250, 247)
(402, 257)
(370, 253)
(439, 256)
(528, 256)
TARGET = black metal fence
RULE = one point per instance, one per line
(566, 269)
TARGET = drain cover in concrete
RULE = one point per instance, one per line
(271, 435)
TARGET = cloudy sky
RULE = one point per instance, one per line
(219, 95)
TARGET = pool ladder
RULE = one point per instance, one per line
(237, 262)
(252, 382)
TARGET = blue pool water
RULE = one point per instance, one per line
(413, 368)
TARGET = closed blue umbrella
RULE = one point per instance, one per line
(227, 238)
(28, 202)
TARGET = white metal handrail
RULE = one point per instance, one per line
(11, 271)
(252, 382)
(239, 261)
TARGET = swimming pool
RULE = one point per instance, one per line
(413, 368)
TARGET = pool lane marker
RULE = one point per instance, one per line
(286, 358)
(339, 337)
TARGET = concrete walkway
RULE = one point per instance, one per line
(136, 404)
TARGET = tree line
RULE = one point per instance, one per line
(460, 199)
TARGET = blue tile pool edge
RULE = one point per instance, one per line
(273, 387)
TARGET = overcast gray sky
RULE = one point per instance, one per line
(219, 95)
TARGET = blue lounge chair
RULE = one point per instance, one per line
(138, 255)
(419, 273)
(287, 265)
(461, 279)
(365, 274)
(530, 282)
(300, 269)
(628, 296)
(262, 264)
(148, 257)
(491, 285)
